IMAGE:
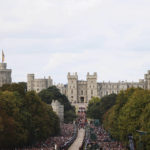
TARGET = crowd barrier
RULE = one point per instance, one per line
(70, 141)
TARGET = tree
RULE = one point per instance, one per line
(12, 132)
(21, 88)
(130, 113)
(41, 120)
(93, 110)
(25, 120)
(98, 107)
(53, 93)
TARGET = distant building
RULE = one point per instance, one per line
(81, 91)
(59, 109)
(5, 74)
(38, 84)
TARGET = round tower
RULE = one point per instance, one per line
(5, 74)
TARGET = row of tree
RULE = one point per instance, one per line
(98, 107)
(24, 118)
(129, 113)
(27, 117)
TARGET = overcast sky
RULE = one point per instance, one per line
(54, 37)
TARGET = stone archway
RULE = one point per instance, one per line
(82, 99)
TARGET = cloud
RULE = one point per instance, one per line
(53, 37)
(126, 65)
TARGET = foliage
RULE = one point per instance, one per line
(20, 87)
(24, 118)
(93, 110)
(53, 93)
(130, 113)
(98, 107)
(69, 115)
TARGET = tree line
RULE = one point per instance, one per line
(127, 113)
(27, 117)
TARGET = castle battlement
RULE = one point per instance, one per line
(73, 76)
(81, 91)
(38, 84)
(91, 76)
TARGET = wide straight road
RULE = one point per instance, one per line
(78, 142)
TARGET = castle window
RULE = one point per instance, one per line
(71, 91)
(81, 92)
(91, 92)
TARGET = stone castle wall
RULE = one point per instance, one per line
(79, 91)
(59, 109)
(38, 84)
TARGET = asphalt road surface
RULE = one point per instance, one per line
(78, 142)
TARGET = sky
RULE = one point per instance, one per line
(54, 37)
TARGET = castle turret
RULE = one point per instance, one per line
(72, 87)
(147, 80)
(59, 109)
(50, 81)
(92, 86)
(5, 74)
(30, 82)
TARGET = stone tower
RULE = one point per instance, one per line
(5, 74)
(147, 80)
(30, 82)
(59, 109)
(92, 88)
(73, 87)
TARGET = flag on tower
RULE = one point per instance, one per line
(3, 56)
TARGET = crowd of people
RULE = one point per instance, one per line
(102, 140)
(81, 121)
(54, 143)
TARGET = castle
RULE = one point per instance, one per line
(38, 84)
(77, 91)
(81, 92)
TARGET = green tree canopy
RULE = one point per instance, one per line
(130, 113)
(20, 87)
(53, 93)
(98, 107)
(26, 119)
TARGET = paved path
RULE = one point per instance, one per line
(78, 142)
